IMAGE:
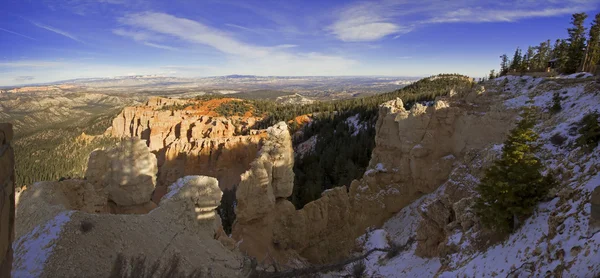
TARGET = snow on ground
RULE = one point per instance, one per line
(32, 250)
(356, 124)
(378, 168)
(576, 75)
(554, 240)
(178, 185)
(306, 147)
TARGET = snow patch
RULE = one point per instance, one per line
(33, 249)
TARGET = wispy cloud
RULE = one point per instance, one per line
(144, 37)
(30, 64)
(18, 34)
(239, 55)
(160, 46)
(365, 22)
(377, 19)
(192, 31)
(24, 78)
(57, 31)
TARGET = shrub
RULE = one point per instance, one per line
(358, 269)
(589, 131)
(86, 226)
(514, 184)
(557, 139)
(556, 107)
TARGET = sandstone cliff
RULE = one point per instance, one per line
(73, 223)
(190, 138)
(7, 199)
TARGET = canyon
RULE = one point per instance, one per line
(192, 141)
(156, 192)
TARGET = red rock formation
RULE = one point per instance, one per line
(190, 138)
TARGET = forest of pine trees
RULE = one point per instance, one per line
(579, 52)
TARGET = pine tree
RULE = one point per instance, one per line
(529, 64)
(514, 184)
(560, 52)
(593, 47)
(516, 61)
(492, 74)
(504, 64)
(576, 43)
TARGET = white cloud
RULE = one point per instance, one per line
(57, 31)
(377, 19)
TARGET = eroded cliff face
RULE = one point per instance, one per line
(76, 228)
(416, 152)
(189, 138)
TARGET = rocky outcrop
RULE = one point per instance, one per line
(184, 224)
(261, 197)
(127, 172)
(110, 212)
(190, 138)
(7, 199)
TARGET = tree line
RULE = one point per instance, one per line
(579, 52)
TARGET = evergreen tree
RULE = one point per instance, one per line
(504, 64)
(529, 59)
(492, 74)
(593, 47)
(514, 184)
(516, 61)
(560, 53)
(576, 43)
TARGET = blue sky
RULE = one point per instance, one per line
(50, 40)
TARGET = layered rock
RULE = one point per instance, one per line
(190, 138)
(7, 199)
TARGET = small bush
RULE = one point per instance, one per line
(557, 139)
(86, 226)
(556, 107)
(589, 131)
(358, 269)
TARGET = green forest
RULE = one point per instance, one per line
(55, 153)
